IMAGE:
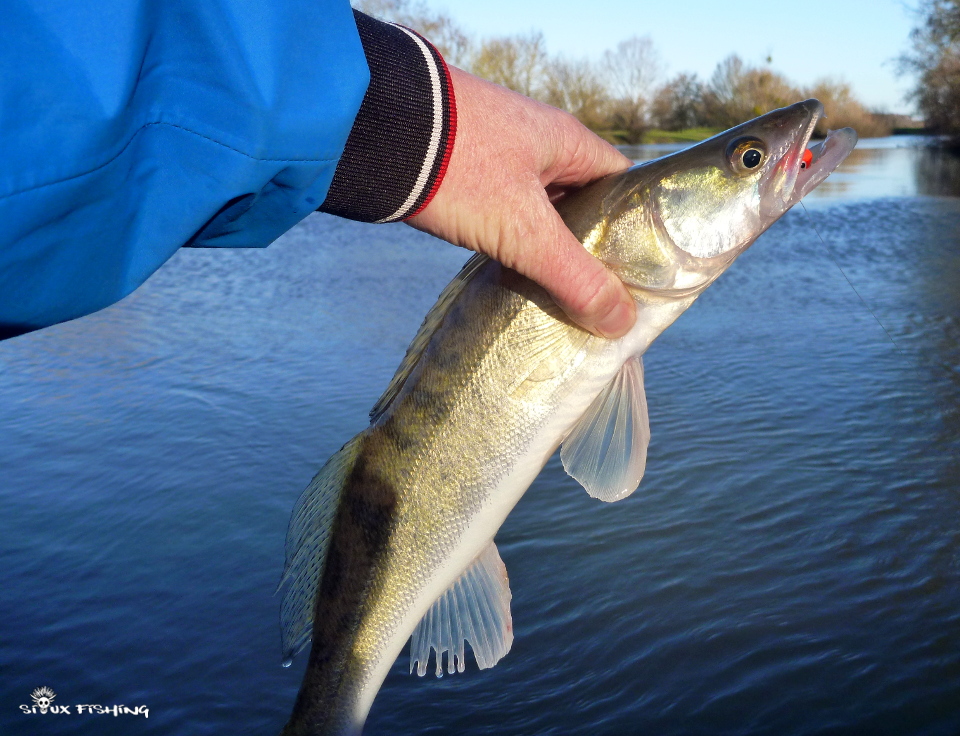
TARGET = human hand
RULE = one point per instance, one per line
(511, 158)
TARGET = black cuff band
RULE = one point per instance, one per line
(400, 143)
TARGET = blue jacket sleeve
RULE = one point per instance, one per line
(130, 128)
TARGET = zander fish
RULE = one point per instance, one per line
(394, 536)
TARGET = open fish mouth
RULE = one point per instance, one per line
(801, 167)
(815, 163)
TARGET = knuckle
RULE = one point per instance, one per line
(594, 297)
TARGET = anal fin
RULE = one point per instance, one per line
(476, 608)
(606, 450)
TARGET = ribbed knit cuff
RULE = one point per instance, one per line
(400, 143)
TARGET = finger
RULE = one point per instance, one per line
(589, 293)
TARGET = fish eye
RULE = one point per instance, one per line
(746, 154)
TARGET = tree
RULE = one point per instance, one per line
(630, 73)
(679, 104)
(451, 41)
(738, 92)
(935, 59)
(844, 110)
(517, 62)
(575, 86)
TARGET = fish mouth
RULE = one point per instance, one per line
(802, 167)
(809, 171)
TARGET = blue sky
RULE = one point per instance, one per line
(851, 40)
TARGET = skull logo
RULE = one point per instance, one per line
(43, 696)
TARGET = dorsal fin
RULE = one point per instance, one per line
(606, 450)
(308, 538)
(431, 323)
(476, 608)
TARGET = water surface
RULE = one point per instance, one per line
(789, 565)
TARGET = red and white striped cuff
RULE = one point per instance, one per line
(400, 143)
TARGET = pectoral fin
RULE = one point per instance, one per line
(546, 347)
(606, 451)
(476, 608)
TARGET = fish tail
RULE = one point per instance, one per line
(312, 722)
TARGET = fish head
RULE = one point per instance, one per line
(676, 223)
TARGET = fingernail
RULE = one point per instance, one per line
(617, 321)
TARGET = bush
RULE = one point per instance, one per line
(843, 110)
(738, 92)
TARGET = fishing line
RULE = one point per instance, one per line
(862, 300)
(916, 369)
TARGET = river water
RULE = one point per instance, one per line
(789, 565)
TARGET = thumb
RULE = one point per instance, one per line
(587, 291)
